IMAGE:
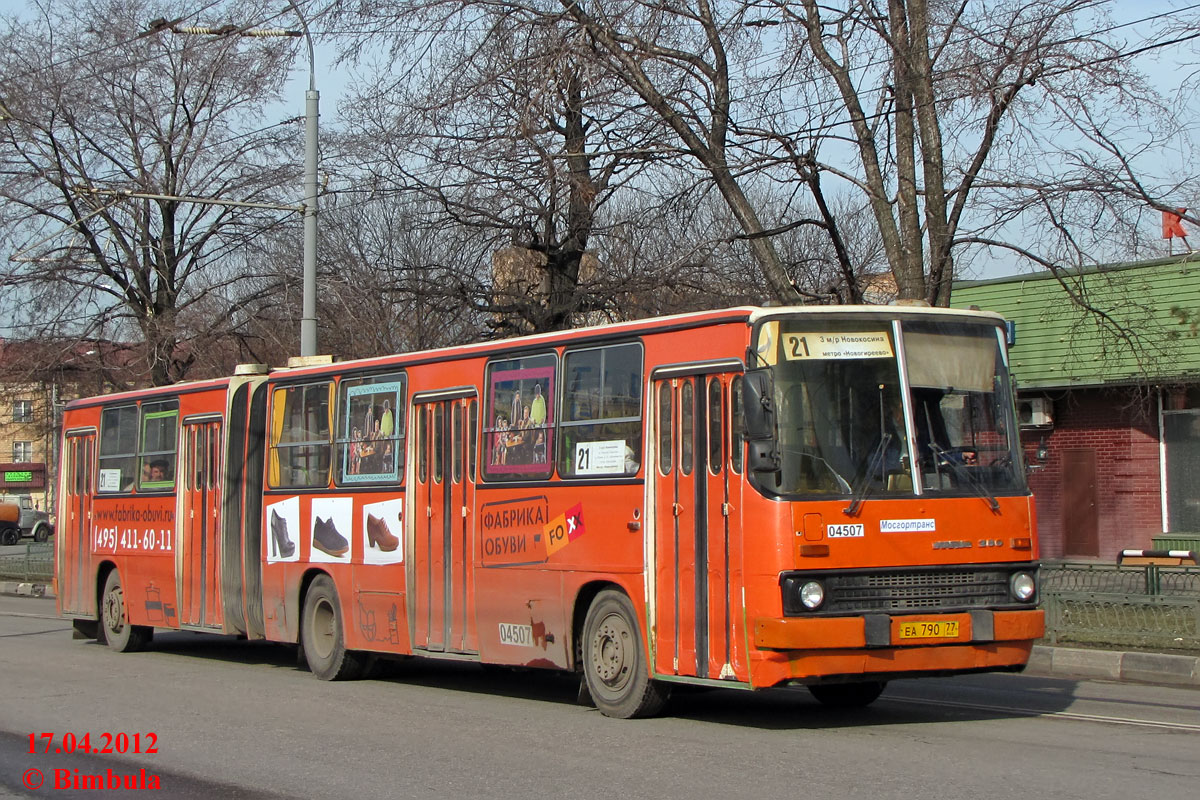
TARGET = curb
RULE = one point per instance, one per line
(25, 589)
(1114, 665)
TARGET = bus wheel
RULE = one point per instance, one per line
(848, 695)
(118, 633)
(614, 662)
(321, 635)
(10, 536)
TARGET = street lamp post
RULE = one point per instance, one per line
(312, 112)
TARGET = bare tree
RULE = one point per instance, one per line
(953, 127)
(398, 282)
(507, 129)
(106, 130)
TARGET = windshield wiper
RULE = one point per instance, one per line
(863, 484)
(965, 474)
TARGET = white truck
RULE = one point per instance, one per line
(19, 516)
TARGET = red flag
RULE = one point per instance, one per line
(1171, 224)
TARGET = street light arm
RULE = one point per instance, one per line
(312, 55)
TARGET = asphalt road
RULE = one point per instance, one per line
(242, 720)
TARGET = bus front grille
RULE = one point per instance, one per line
(905, 591)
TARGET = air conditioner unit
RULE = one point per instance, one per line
(1035, 412)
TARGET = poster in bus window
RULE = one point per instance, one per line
(331, 524)
(518, 433)
(282, 529)
(383, 532)
(372, 433)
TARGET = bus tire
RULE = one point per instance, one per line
(848, 695)
(118, 633)
(614, 661)
(322, 635)
(10, 536)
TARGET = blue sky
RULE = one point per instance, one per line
(331, 83)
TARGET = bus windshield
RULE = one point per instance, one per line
(846, 426)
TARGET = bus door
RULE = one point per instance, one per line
(695, 535)
(199, 525)
(442, 569)
(74, 532)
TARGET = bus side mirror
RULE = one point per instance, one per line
(760, 405)
(759, 421)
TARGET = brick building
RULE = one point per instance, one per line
(1108, 400)
(35, 376)
(26, 440)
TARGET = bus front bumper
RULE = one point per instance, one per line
(880, 646)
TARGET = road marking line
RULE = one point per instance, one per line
(1033, 712)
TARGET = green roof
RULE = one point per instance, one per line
(1141, 327)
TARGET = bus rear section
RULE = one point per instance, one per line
(152, 510)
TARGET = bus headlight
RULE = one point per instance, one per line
(812, 595)
(1022, 586)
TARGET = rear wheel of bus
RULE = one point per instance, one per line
(322, 634)
(118, 633)
(614, 661)
(848, 695)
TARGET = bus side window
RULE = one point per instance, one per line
(300, 436)
(157, 454)
(118, 449)
(602, 411)
(370, 442)
(519, 417)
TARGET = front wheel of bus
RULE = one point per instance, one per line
(321, 635)
(614, 661)
(118, 633)
(848, 695)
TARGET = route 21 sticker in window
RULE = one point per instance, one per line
(600, 458)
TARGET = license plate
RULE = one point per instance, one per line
(944, 629)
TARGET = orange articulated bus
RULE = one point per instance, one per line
(747, 498)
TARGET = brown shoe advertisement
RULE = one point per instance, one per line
(383, 532)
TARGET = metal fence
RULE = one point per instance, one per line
(34, 565)
(1147, 606)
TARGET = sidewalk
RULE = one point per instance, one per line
(1114, 665)
(19, 589)
(1046, 661)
